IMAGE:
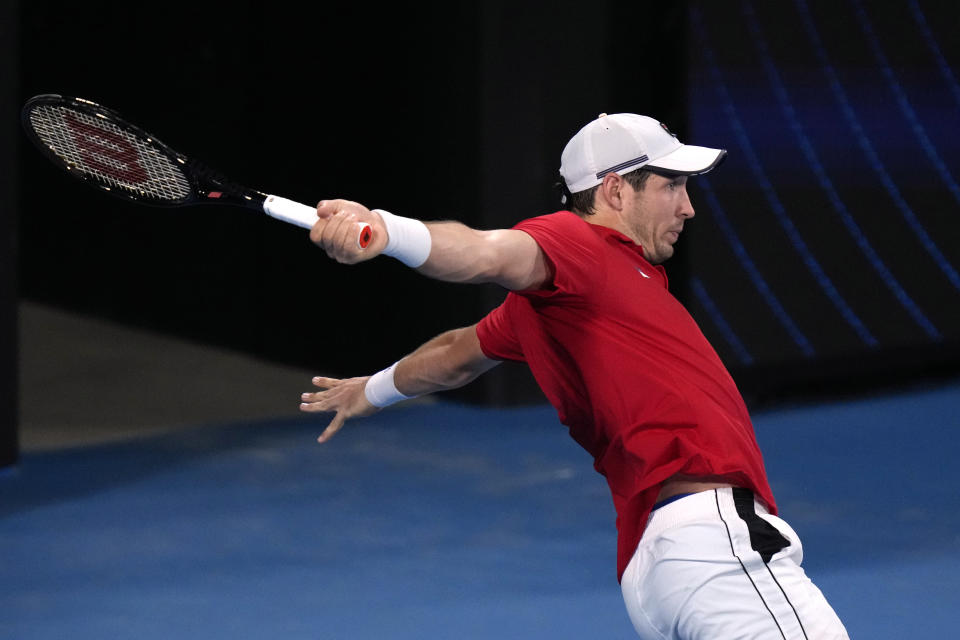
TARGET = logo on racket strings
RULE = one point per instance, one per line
(106, 151)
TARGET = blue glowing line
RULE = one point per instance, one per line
(720, 322)
(908, 112)
(812, 159)
(733, 241)
(780, 212)
(935, 49)
(874, 160)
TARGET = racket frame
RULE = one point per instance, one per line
(206, 185)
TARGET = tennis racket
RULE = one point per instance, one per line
(98, 146)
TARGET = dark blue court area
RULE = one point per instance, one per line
(440, 521)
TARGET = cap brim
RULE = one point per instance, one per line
(688, 160)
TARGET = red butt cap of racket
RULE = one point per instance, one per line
(366, 235)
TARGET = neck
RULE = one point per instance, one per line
(609, 218)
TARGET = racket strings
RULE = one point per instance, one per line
(104, 152)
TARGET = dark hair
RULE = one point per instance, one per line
(581, 203)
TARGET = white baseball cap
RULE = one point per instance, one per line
(622, 142)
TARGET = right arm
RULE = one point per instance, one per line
(448, 361)
(507, 257)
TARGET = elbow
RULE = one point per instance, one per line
(490, 261)
(513, 260)
(496, 262)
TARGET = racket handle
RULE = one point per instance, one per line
(303, 216)
(290, 211)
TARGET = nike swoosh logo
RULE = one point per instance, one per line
(641, 272)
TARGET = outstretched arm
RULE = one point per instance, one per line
(448, 361)
(456, 253)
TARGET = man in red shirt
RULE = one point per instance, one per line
(701, 552)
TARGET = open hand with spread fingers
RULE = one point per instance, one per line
(345, 397)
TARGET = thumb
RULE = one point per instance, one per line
(327, 208)
(332, 428)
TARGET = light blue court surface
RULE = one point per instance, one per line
(447, 522)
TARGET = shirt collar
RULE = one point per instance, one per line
(612, 234)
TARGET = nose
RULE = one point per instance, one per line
(685, 209)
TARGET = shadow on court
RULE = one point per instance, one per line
(443, 521)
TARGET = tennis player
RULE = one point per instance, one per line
(701, 551)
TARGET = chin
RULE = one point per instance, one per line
(662, 256)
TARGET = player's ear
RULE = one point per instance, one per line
(611, 191)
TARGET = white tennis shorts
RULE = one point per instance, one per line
(716, 565)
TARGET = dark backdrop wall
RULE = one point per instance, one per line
(9, 184)
(433, 110)
(827, 253)
(326, 104)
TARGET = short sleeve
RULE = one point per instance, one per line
(498, 341)
(571, 248)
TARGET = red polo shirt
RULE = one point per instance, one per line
(627, 369)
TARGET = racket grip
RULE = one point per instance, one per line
(303, 216)
(290, 212)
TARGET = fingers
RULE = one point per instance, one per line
(326, 383)
(339, 236)
(332, 388)
(347, 398)
(325, 229)
(343, 233)
(332, 428)
(324, 405)
(329, 208)
(327, 212)
(332, 398)
(338, 230)
(327, 400)
(331, 234)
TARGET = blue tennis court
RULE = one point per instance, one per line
(438, 521)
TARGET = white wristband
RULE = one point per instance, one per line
(408, 240)
(380, 389)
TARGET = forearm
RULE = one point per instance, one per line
(448, 251)
(450, 360)
(447, 361)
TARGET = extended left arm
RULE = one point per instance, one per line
(447, 361)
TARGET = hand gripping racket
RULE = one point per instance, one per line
(98, 146)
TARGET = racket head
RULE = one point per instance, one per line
(98, 146)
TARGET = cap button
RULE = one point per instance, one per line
(602, 115)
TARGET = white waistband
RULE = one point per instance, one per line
(696, 507)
